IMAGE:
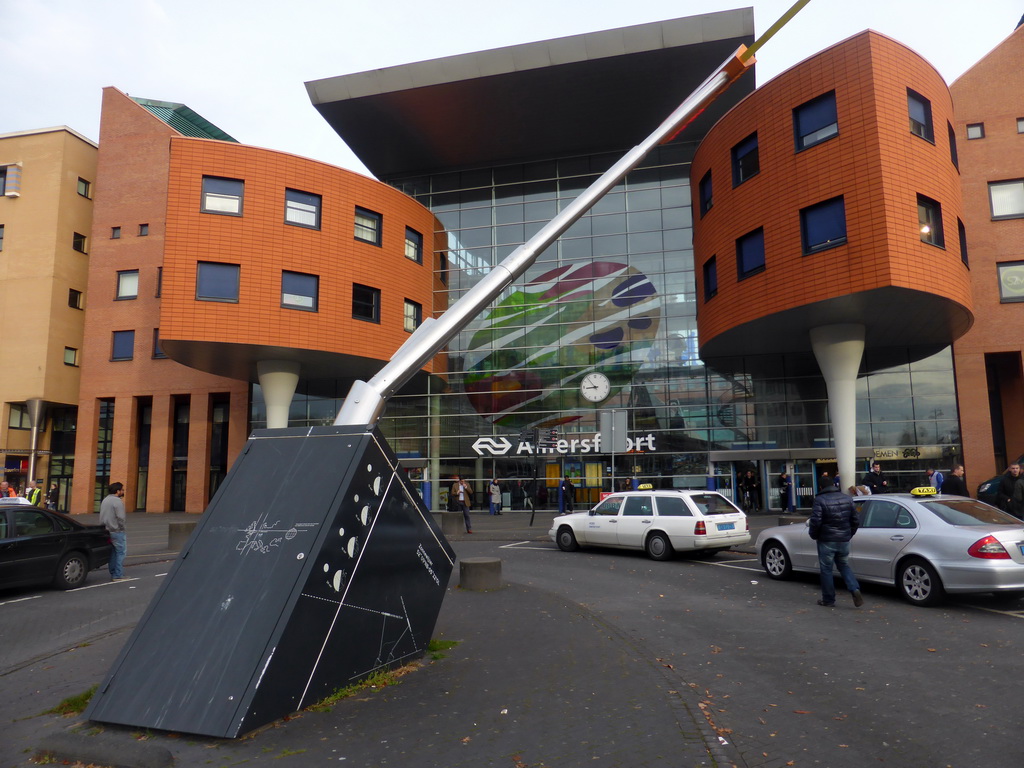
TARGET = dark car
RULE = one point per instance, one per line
(42, 547)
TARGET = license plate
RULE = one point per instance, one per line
(731, 526)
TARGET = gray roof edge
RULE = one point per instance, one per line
(688, 30)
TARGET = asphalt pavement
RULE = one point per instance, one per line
(533, 681)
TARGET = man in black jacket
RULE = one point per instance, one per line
(875, 480)
(834, 521)
(1004, 495)
(954, 485)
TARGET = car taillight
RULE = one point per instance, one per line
(988, 548)
(701, 529)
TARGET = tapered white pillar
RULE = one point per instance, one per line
(278, 379)
(839, 349)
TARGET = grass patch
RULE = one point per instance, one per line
(381, 679)
(437, 648)
(73, 705)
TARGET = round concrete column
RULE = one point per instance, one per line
(278, 379)
(839, 349)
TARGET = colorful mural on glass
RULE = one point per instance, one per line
(525, 365)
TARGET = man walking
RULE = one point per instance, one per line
(954, 485)
(875, 480)
(834, 521)
(112, 518)
(1004, 494)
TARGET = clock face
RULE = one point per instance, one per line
(595, 387)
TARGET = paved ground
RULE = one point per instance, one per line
(533, 681)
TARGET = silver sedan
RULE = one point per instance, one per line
(925, 546)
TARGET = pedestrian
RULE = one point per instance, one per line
(954, 485)
(1004, 495)
(33, 493)
(518, 495)
(785, 492)
(112, 518)
(934, 478)
(567, 492)
(875, 480)
(6, 490)
(494, 492)
(542, 494)
(52, 497)
(834, 521)
(824, 481)
(463, 496)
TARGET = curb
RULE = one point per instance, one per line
(105, 749)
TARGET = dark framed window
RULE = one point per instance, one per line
(823, 225)
(920, 110)
(975, 131)
(216, 281)
(815, 121)
(1006, 198)
(223, 196)
(84, 188)
(413, 315)
(1, 237)
(300, 291)
(79, 242)
(115, 233)
(71, 356)
(368, 226)
(710, 278)
(158, 352)
(413, 245)
(159, 280)
(3, 180)
(143, 230)
(122, 345)
(745, 162)
(18, 417)
(1011, 281)
(1020, 125)
(961, 231)
(74, 298)
(929, 218)
(127, 284)
(750, 254)
(365, 303)
(705, 193)
(302, 208)
(953, 155)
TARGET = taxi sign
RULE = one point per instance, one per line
(924, 490)
(645, 487)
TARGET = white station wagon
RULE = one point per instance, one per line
(660, 523)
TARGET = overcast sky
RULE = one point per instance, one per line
(242, 64)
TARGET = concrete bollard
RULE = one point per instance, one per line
(178, 533)
(452, 523)
(480, 574)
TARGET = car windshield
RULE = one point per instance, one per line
(969, 512)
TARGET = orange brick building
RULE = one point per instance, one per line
(215, 266)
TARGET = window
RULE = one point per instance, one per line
(823, 225)
(413, 245)
(705, 193)
(750, 254)
(78, 242)
(962, 232)
(710, 278)
(299, 291)
(745, 161)
(929, 217)
(10, 180)
(158, 352)
(159, 280)
(84, 188)
(302, 209)
(1011, 281)
(74, 298)
(815, 121)
(1006, 198)
(1, 237)
(18, 418)
(123, 345)
(368, 226)
(365, 303)
(1020, 125)
(128, 284)
(952, 146)
(71, 356)
(143, 230)
(920, 110)
(115, 233)
(975, 130)
(222, 196)
(413, 315)
(3, 180)
(216, 281)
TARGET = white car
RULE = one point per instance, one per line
(660, 523)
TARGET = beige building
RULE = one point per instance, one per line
(46, 189)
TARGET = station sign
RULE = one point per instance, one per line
(502, 446)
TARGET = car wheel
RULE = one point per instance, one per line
(658, 547)
(919, 583)
(567, 539)
(72, 571)
(775, 561)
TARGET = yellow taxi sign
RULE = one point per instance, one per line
(924, 490)
(645, 487)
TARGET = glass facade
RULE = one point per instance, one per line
(616, 295)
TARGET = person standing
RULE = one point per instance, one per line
(33, 494)
(52, 497)
(494, 492)
(462, 494)
(834, 521)
(568, 495)
(112, 518)
(875, 480)
(1004, 495)
(934, 478)
(954, 485)
(785, 492)
(6, 490)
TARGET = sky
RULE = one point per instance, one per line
(242, 64)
